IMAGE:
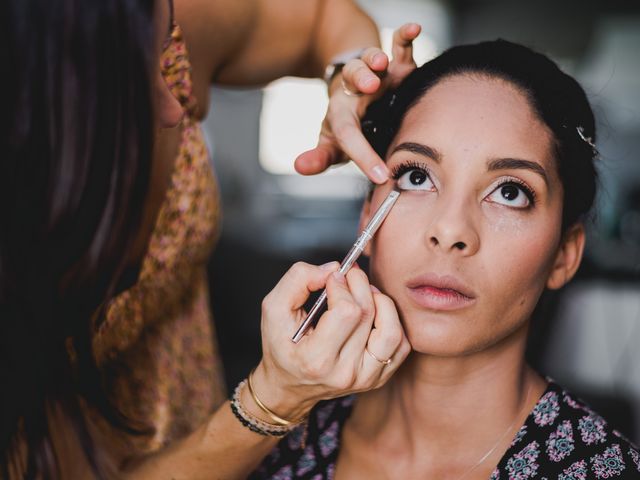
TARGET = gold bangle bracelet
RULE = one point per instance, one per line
(252, 422)
(277, 419)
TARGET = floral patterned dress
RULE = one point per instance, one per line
(561, 439)
(156, 345)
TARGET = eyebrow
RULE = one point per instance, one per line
(496, 164)
(518, 164)
(420, 149)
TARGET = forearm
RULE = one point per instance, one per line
(221, 449)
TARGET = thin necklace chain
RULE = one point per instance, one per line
(492, 449)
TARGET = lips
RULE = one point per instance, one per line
(436, 292)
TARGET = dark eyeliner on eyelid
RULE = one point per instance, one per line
(399, 170)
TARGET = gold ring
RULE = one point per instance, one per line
(347, 92)
(383, 362)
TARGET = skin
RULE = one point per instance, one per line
(466, 383)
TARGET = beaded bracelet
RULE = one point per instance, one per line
(252, 422)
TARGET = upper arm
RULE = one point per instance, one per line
(248, 42)
(251, 42)
(214, 31)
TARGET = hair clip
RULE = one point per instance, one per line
(584, 138)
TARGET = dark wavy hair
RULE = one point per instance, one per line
(76, 141)
(558, 99)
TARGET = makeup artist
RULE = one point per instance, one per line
(109, 211)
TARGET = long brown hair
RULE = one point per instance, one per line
(76, 151)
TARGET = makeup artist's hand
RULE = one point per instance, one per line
(331, 360)
(350, 93)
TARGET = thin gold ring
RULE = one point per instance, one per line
(383, 362)
(348, 92)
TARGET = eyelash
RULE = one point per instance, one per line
(399, 170)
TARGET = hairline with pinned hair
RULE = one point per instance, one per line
(556, 98)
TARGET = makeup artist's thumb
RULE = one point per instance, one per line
(294, 288)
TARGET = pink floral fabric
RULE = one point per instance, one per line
(561, 439)
(156, 344)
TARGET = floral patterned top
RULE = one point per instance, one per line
(561, 439)
(156, 344)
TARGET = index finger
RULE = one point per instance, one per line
(352, 141)
(293, 289)
(342, 316)
(403, 37)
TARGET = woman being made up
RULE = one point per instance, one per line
(492, 147)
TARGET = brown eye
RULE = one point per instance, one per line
(414, 179)
(417, 177)
(512, 194)
(509, 192)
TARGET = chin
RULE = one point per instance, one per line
(446, 338)
(442, 337)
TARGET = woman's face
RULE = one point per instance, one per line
(476, 233)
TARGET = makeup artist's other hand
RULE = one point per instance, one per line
(331, 360)
(367, 79)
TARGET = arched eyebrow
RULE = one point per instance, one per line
(420, 149)
(518, 164)
(492, 165)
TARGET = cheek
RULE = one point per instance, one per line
(398, 244)
(528, 240)
(517, 257)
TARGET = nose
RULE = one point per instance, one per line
(452, 228)
(169, 111)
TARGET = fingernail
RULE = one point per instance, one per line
(339, 277)
(369, 81)
(328, 266)
(379, 57)
(374, 289)
(380, 174)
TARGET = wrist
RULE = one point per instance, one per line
(337, 63)
(275, 397)
(335, 84)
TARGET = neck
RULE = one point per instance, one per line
(468, 401)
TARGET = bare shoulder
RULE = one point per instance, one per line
(213, 30)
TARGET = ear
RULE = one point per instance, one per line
(365, 216)
(568, 257)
